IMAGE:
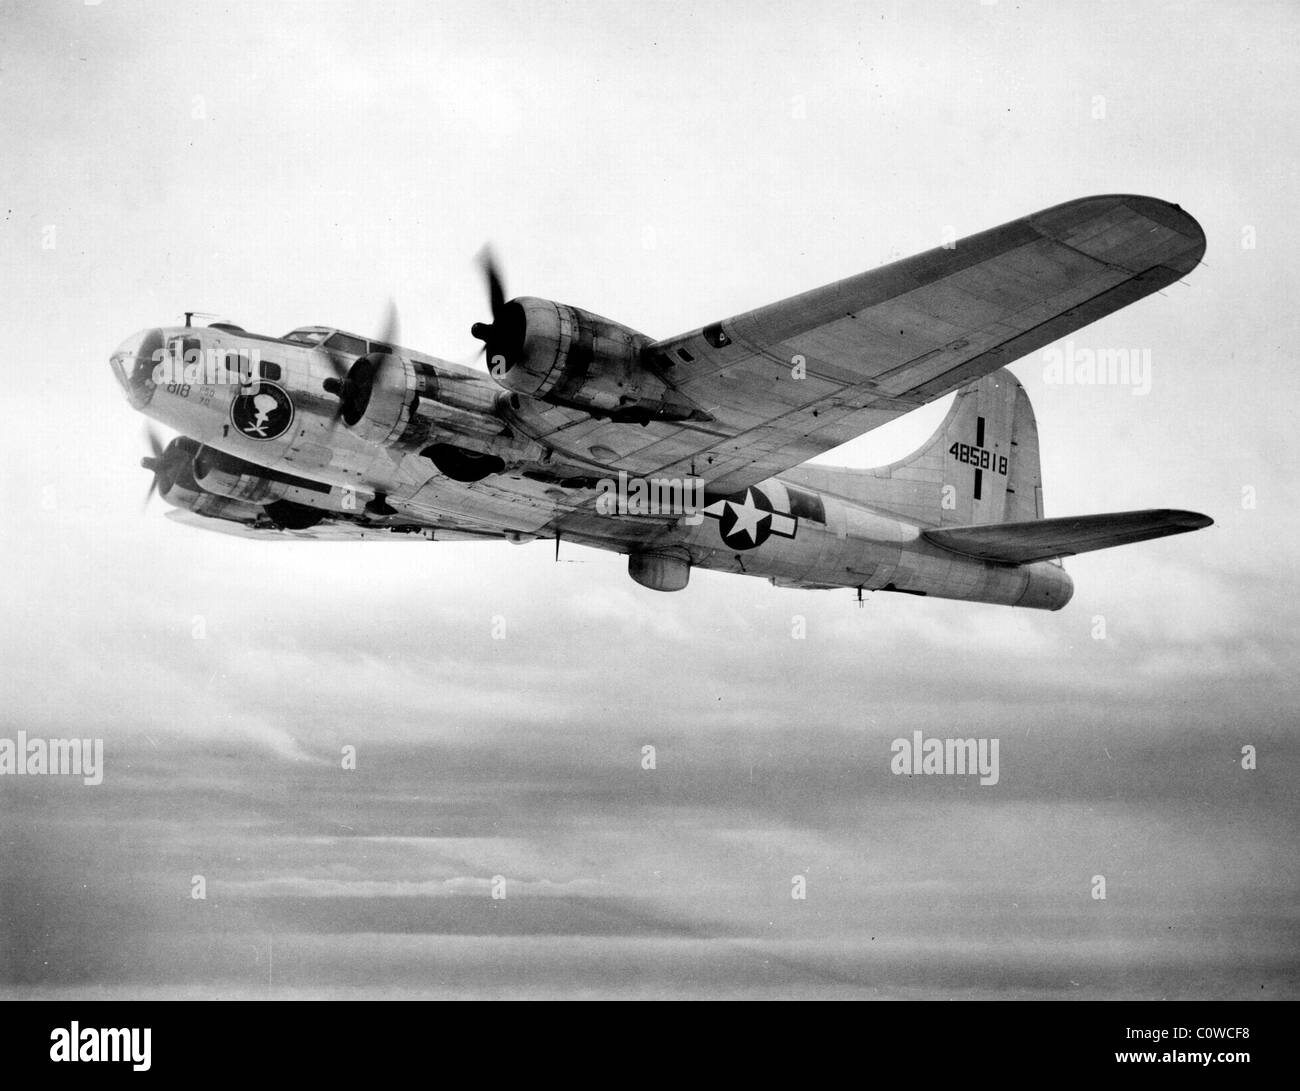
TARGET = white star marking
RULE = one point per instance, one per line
(749, 519)
(748, 516)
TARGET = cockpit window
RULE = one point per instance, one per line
(307, 335)
(345, 342)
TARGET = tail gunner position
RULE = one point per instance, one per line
(331, 435)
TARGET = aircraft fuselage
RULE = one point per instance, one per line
(264, 402)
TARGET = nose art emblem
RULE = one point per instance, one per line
(264, 412)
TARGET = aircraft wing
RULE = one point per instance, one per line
(1042, 539)
(793, 379)
(327, 531)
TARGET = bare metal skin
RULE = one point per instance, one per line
(329, 435)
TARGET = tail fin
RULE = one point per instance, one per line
(981, 466)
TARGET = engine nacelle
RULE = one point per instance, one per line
(234, 478)
(174, 476)
(571, 357)
(379, 394)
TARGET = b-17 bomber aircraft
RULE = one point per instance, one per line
(689, 452)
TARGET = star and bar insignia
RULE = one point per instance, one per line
(747, 520)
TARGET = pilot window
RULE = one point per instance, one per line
(343, 342)
(306, 335)
(806, 505)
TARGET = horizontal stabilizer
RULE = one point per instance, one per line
(1043, 539)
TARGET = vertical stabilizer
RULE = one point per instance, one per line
(981, 466)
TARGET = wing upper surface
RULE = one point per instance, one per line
(794, 379)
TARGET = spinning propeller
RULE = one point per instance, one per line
(503, 337)
(155, 462)
(353, 385)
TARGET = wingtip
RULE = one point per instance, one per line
(1176, 218)
(1190, 520)
(1173, 217)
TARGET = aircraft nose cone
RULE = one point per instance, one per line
(133, 363)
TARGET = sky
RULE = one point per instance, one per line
(667, 166)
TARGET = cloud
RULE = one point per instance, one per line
(459, 885)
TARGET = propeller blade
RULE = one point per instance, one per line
(496, 287)
(502, 337)
(153, 462)
(335, 383)
(155, 443)
(336, 365)
(352, 384)
(391, 335)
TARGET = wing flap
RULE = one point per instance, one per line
(1043, 539)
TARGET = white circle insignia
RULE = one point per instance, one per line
(264, 412)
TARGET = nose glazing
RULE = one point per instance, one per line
(133, 364)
